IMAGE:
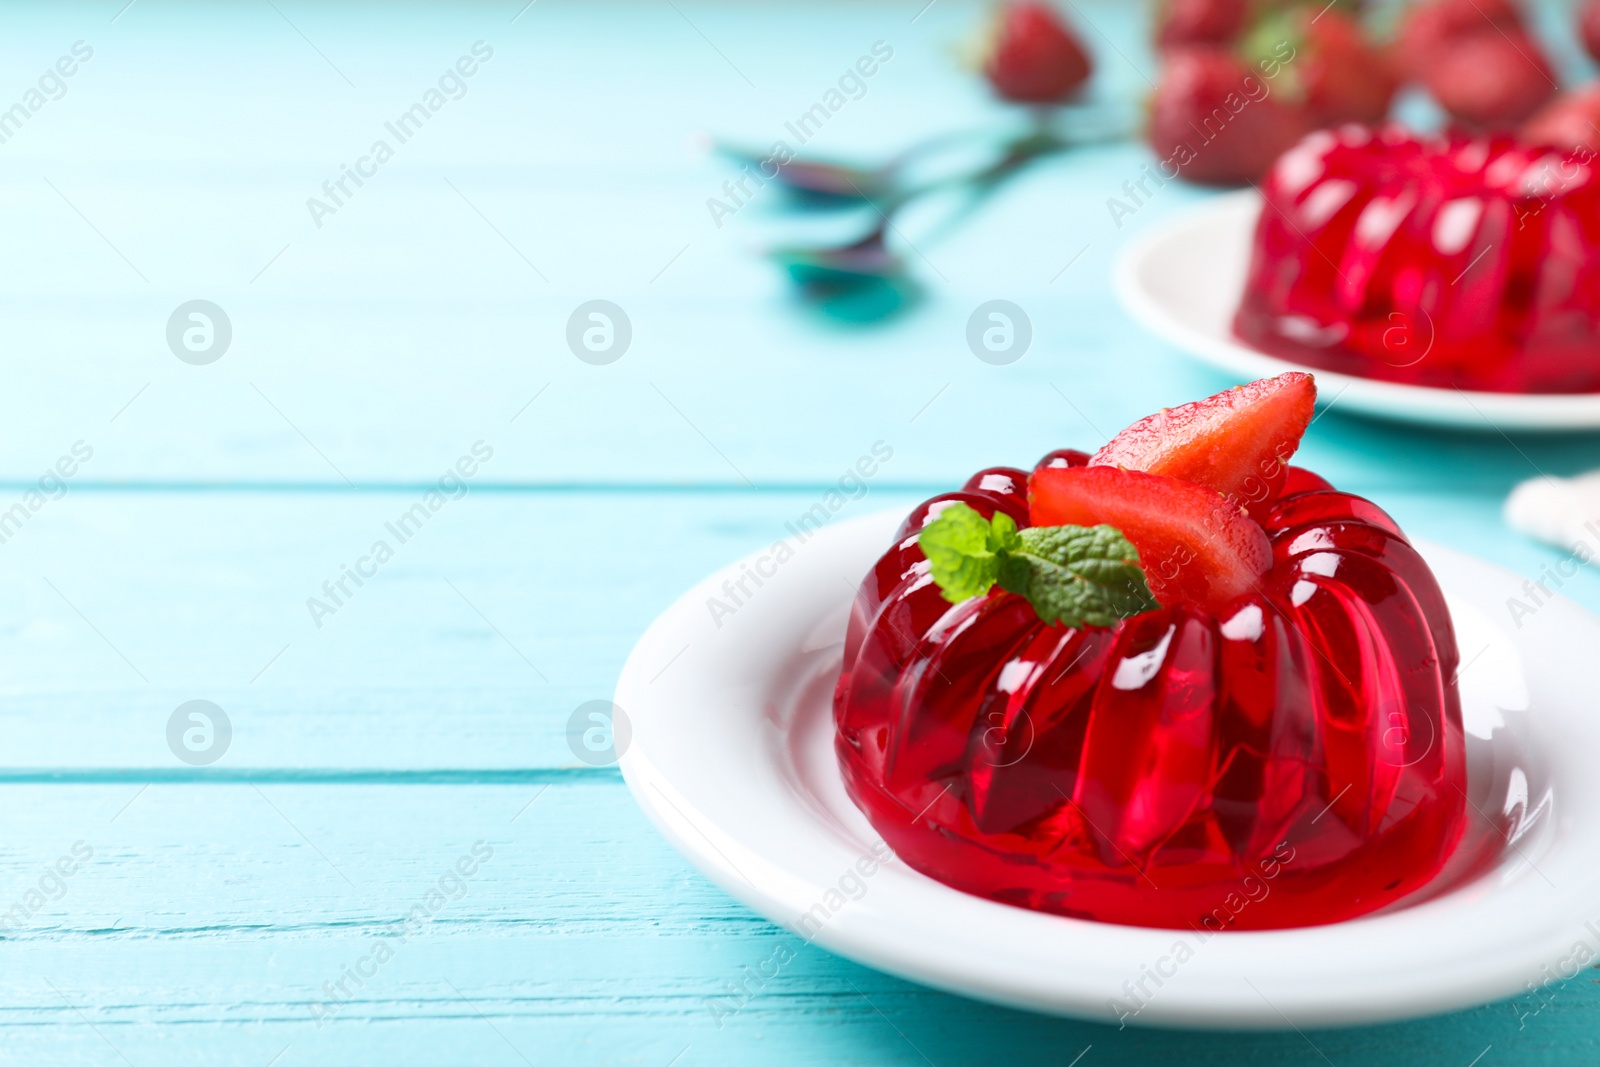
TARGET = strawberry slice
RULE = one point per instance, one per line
(1237, 443)
(1196, 547)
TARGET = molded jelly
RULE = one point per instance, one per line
(1470, 262)
(1295, 759)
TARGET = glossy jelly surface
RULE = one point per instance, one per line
(1469, 262)
(1295, 759)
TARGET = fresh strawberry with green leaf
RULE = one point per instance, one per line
(1033, 56)
(1346, 77)
(1336, 72)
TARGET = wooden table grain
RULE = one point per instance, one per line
(399, 858)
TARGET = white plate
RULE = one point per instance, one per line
(731, 756)
(1184, 279)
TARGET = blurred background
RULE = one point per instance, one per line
(548, 351)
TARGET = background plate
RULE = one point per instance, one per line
(1183, 280)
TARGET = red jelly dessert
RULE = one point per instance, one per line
(1467, 262)
(1177, 683)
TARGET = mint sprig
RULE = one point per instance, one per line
(1072, 575)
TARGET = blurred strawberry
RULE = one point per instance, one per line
(1491, 79)
(1589, 27)
(1571, 120)
(1180, 22)
(1431, 28)
(1337, 73)
(1034, 57)
(1216, 120)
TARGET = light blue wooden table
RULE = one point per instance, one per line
(215, 914)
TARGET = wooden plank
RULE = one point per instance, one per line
(469, 649)
(209, 917)
(415, 320)
(342, 386)
(378, 347)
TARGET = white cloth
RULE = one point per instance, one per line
(1564, 512)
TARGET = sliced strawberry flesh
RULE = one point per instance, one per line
(1237, 442)
(1196, 547)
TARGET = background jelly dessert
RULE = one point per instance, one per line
(1293, 758)
(1463, 262)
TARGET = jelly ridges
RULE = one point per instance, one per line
(1470, 262)
(1295, 758)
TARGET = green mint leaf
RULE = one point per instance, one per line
(964, 550)
(1077, 575)
(1072, 575)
